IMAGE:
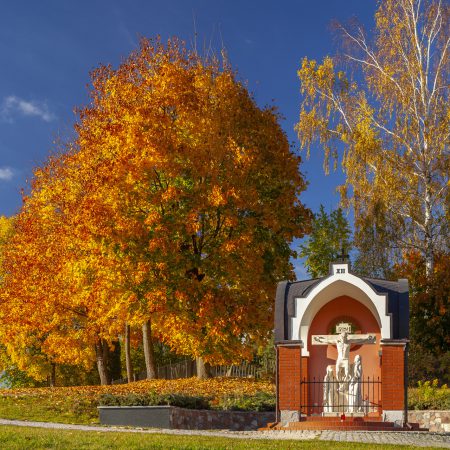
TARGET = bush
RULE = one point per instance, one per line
(428, 395)
(154, 399)
(184, 401)
(261, 401)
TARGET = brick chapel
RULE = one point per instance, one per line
(341, 344)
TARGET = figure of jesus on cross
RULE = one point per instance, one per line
(343, 342)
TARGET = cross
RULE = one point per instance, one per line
(343, 342)
(342, 257)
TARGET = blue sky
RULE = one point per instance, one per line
(48, 47)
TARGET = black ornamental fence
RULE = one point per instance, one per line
(333, 397)
(187, 369)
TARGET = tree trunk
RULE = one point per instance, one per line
(101, 352)
(128, 361)
(52, 376)
(203, 369)
(428, 212)
(428, 239)
(114, 365)
(149, 353)
(429, 260)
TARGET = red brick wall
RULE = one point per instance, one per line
(289, 377)
(304, 390)
(393, 377)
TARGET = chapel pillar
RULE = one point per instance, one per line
(291, 369)
(394, 380)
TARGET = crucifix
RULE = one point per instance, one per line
(343, 257)
(343, 342)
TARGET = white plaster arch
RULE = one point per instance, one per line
(339, 283)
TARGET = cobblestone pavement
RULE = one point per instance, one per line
(410, 438)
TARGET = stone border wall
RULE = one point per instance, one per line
(181, 418)
(192, 419)
(438, 421)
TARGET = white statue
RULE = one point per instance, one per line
(349, 377)
(328, 390)
(343, 342)
(354, 389)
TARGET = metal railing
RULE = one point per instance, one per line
(182, 369)
(319, 397)
(243, 370)
(187, 369)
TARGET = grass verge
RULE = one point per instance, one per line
(43, 409)
(39, 438)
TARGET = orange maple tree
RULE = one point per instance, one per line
(176, 203)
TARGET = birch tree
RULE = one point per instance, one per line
(381, 109)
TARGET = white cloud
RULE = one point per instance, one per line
(13, 106)
(6, 173)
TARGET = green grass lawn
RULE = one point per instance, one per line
(38, 438)
(44, 409)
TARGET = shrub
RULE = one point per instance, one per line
(154, 399)
(184, 401)
(428, 395)
(261, 401)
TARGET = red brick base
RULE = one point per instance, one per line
(393, 376)
(288, 376)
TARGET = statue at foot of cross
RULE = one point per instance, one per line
(342, 386)
(340, 395)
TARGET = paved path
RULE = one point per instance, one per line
(411, 438)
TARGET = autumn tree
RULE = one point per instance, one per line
(374, 255)
(201, 193)
(384, 102)
(172, 210)
(6, 231)
(429, 352)
(330, 235)
(7, 367)
(60, 301)
(28, 355)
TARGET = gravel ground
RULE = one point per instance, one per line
(418, 439)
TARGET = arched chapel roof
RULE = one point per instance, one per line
(397, 303)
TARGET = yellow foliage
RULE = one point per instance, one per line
(176, 202)
(214, 388)
(393, 123)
